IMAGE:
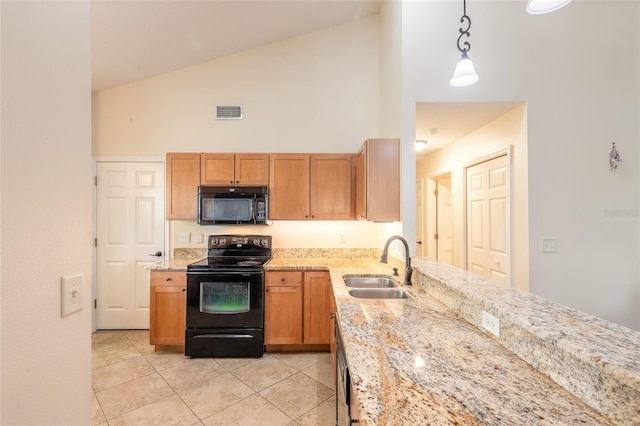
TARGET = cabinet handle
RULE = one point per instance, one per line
(237, 181)
(168, 279)
(332, 315)
(282, 279)
(184, 289)
(266, 289)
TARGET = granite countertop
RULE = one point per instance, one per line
(417, 361)
(427, 360)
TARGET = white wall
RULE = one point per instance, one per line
(577, 70)
(505, 133)
(46, 212)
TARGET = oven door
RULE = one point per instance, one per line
(225, 299)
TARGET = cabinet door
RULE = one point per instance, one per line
(378, 195)
(332, 334)
(317, 305)
(167, 308)
(217, 169)
(289, 186)
(361, 183)
(283, 315)
(331, 186)
(252, 169)
(183, 178)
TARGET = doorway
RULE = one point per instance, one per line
(129, 238)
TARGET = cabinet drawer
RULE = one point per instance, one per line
(283, 278)
(164, 278)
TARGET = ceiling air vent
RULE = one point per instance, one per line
(228, 112)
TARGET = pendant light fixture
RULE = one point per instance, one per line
(465, 74)
(539, 7)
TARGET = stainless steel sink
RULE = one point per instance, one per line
(379, 293)
(370, 282)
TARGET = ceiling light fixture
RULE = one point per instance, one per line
(539, 7)
(465, 73)
(420, 145)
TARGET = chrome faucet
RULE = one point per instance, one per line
(407, 260)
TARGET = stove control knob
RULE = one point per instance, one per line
(265, 242)
(256, 241)
(223, 241)
(214, 241)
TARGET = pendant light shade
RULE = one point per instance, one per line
(465, 73)
(539, 7)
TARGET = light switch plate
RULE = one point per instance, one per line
(198, 238)
(183, 237)
(549, 245)
(71, 294)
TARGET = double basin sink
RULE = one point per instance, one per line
(374, 287)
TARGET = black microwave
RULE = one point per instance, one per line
(233, 205)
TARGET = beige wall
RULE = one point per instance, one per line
(314, 93)
(46, 212)
(507, 133)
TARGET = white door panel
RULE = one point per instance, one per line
(419, 218)
(130, 229)
(444, 220)
(487, 219)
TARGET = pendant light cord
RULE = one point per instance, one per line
(464, 31)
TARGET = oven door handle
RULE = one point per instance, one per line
(224, 336)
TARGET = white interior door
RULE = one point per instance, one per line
(444, 220)
(419, 218)
(130, 232)
(488, 219)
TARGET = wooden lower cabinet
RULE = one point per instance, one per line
(317, 305)
(297, 306)
(167, 309)
(283, 308)
(333, 312)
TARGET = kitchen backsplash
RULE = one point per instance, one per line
(293, 253)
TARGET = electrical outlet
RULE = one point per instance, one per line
(491, 323)
(343, 239)
(183, 237)
(549, 245)
(198, 238)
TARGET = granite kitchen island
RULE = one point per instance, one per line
(426, 360)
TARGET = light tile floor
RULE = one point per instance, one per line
(135, 385)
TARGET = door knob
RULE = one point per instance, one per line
(156, 254)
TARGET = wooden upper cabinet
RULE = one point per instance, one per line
(378, 180)
(183, 178)
(331, 187)
(234, 169)
(311, 186)
(288, 186)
